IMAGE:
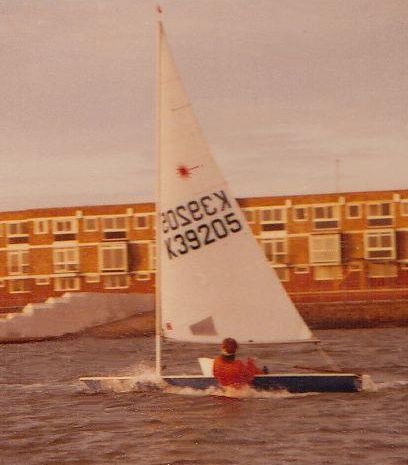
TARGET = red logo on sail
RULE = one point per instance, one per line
(169, 326)
(185, 172)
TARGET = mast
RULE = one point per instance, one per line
(158, 178)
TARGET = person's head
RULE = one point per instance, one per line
(229, 346)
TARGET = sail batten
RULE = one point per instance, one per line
(214, 279)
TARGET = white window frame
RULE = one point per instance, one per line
(91, 278)
(152, 251)
(113, 246)
(19, 225)
(300, 207)
(65, 226)
(355, 267)
(41, 226)
(86, 226)
(272, 211)
(391, 248)
(60, 283)
(274, 244)
(113, 277)
(333, 216)
(13, 282)
(348, 207)
(136, 218)
(250, 212)
(69, 261)
(379, 215)
(114, 219)
(315, 251)
(43, 281)
(337, 273)
(143, 276)
(404, 207)
(23, 261)
(301, 269)
(381, 274)
(282, 270)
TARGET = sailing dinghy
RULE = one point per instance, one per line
(213, 280)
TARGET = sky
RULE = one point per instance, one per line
(281, 89)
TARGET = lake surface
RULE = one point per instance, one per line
(48, 417)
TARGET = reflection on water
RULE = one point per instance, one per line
(48, 417)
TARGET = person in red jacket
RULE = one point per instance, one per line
(231, 372)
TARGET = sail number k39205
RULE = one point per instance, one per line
(198, 223)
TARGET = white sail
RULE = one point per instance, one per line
(214, 279)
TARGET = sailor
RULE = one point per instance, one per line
(231, 372)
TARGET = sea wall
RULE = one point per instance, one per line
(358, 314)
(70, 314)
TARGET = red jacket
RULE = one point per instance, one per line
(234, 372)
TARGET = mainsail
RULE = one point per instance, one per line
(214, 279)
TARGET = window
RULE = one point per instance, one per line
(114, 257)
(353, 211)
(114, 223)
(66, 259)
(249, 215)
(355, 267)
(40, 226)
(116, 281)
(152, 255)
(114, 227)
(92, 278)
(283, 273)
(42, 281)
(90, 223)
(326, 217)
(273, 219)
(66, 283)
(19, 228)
(379, 214)
(142, 276)
(326, 273)
(380, 245)
(18, 261)
(1, 229)
(275, 250)
(301, 269)
(17, 286)
(300, 213)
(404, 207)
(2, 283)
(382, 270)
(140, 222)
(325, 248)
(64, 226)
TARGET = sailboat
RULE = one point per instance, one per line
(213, 280)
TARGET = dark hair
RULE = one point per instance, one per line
(229, 346)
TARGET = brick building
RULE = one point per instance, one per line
(325, 248)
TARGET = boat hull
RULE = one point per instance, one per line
(315, 382)
(291, 382)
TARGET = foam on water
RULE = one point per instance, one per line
(246, 392)
(396, 384)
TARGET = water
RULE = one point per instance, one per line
(47, 417)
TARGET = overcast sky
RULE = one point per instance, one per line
(282, 89)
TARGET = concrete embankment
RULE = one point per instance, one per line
(375, 314)
(367, 314)
(142, 324)
(71, 313)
